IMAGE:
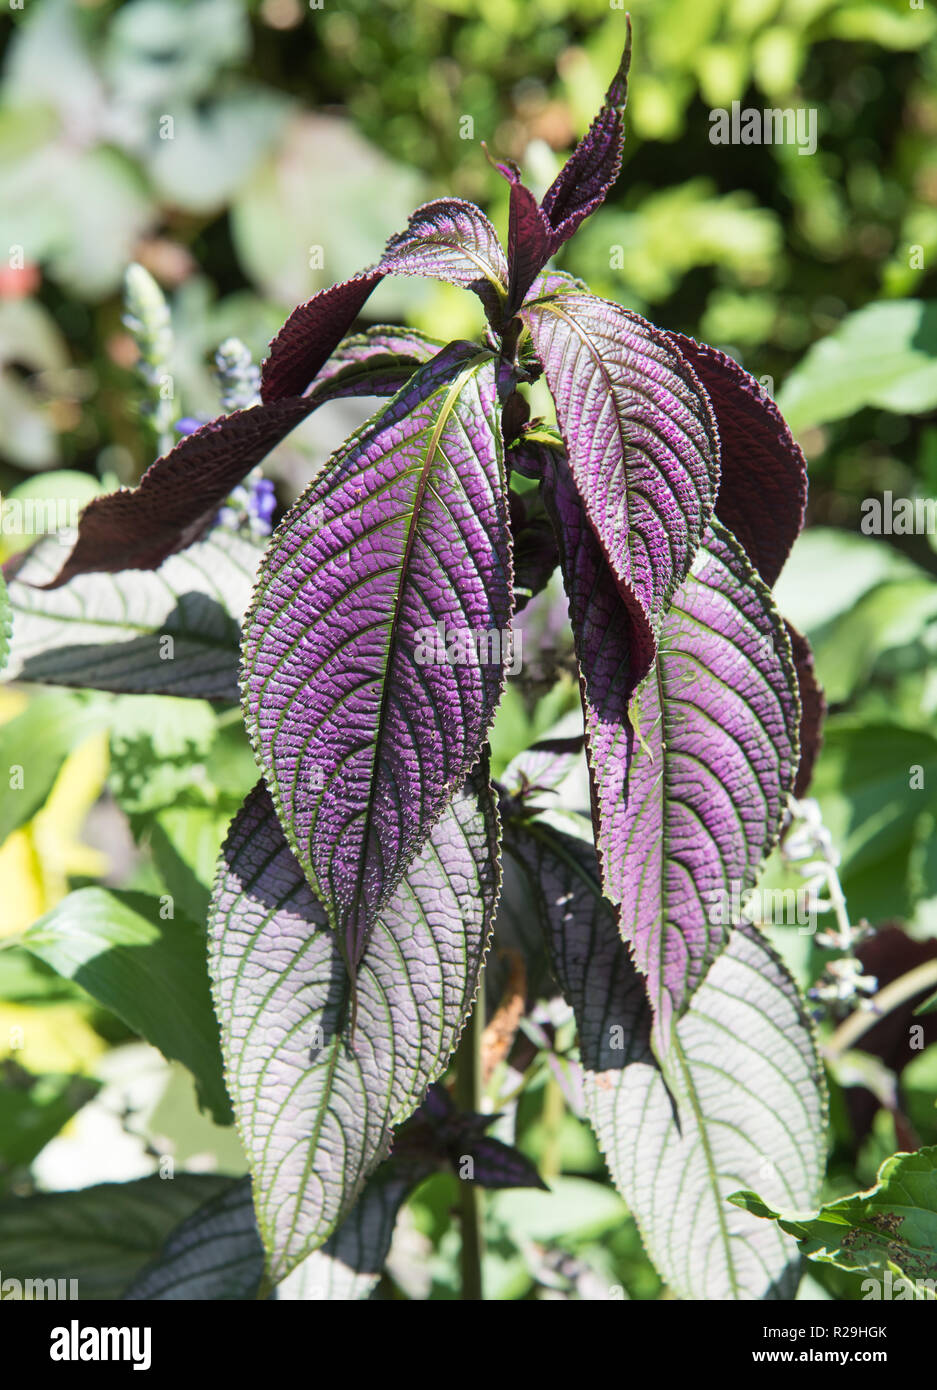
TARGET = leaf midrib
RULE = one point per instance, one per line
(452, 395)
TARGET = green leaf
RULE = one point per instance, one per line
(893, 1226)
(33, 1109)
(929, 1006)
(851, 565)
(172, 631)
(214, 148)
(887, 620)
(150, 972)
(46, 504)
(100, 1236)
(279, 213)
(876, 783)
(185, 842)
(33, 747)
(574, 1211)
(158, 750)
(884, 355)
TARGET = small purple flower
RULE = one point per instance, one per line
(261, 506)
(188, 425)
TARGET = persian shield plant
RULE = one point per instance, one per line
(359, 883)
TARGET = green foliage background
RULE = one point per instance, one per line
(301, 138)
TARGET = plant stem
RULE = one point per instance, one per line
(554, 1109)
(891, 997)
(468, 1096)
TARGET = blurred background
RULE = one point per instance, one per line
(248, 154)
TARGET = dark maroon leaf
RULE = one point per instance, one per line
(530, 238)
(587, 176)
(448, 240)
(812, 709)
(177, 500)
(535, 552)
(763, 489)
(438, 1132)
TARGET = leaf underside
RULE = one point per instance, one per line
(739, 1091)
(763, 488)
(110, 631)
(314, 1110)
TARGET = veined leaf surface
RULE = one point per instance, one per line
(642, 447)
(739, 1091)
(691, 773)
(316, 1112)
(175, 631)
(363, 719)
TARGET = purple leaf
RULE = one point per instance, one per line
(535, 232)
(642, 447)
(587, 176)
(691, 1119)
(315, 1113)
(363, 714)
(692, 796)
(542, 767)
(690, 774)
(497, 1165)
(812, 709)
(763, 490)
(438, 1132)
(448, 239)
(376, 362)
(555, 282)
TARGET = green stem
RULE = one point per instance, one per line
(554, 1109)
(468, 1094)
(891, 997)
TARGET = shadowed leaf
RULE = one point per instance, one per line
(701, 1115)
(173, 632)
(314, 1110)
